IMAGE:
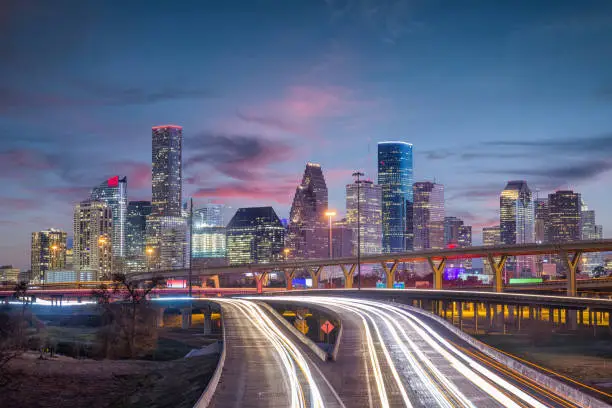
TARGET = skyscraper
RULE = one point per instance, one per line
(114, 193)
(167, 185)
(209, 239)
(541, 220)
(167, 227)
(93, 228)
(370, 215)
(490, 237)
(590, 231)
(517, 224)
(395, 180)
(48, 252)
(307, 232)
(428, 215)
(457, 235)
(136, 235)
(255, 235)
(564, 216)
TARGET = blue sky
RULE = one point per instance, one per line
(486, 91)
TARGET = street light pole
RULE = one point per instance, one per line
(330, 214)
(358, 174)
(190, 242)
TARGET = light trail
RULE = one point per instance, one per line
(289, 354)
(401, 328)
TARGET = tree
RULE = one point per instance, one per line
(599, 271)
(134, 295)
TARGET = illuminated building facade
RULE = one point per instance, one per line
(590, 231)
(255, 235)
(370, 215)
(167, 187)
(8, 274)
(114, 193)
(93, 228)
(209, 238)
(308, 230)
(517, 225)
(491, 236)
(395, 178)
(564, 216)
(168, 241)
(457, 235)
(48, 252)
(136, 235)
(428, 215)
(342, 239)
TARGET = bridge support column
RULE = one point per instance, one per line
(185, 317)
(315, 275)
(348, 275)
(572, 266)
(498, 267)
(289, 275)
(488, 314)
(207, 322)
(390, 273)
(437, 272)
(259, 280)
(475, 318)
(160, 317)
(215, 279)
(460, 313)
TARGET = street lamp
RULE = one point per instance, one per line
(149, 252)
(286, 252)
(358, 174)
(330, 214)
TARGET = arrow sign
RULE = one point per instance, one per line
(327, 327)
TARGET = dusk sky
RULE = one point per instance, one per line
(486, 91)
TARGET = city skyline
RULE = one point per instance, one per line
(503, 116)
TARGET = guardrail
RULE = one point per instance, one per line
(209, 392)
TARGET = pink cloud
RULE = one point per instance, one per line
(138, 174)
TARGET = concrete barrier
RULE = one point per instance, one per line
(209, 392)
(556, 386)
(305, 340)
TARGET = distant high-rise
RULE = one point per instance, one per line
(48, 252)
(209, 239)
(564, 216)
(451, 230)
(517, 219)
(458, 235)
(167, 143)
(167, 227)
(490, 237)
(395, 180)
(114, 193)
(136, 235)
(307, 231)
(370, 215)
(428, 210)
(255, 235)
(541, 220)
(590, 231)
(342, 239)
(93, 228)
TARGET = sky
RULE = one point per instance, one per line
(486, 91)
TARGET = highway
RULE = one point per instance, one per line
(412, 361)
(265, 367)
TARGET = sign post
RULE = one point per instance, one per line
(327, 327)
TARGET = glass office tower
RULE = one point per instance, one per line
(114, 193)
(395, 179)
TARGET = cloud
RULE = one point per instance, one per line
(18, 204)
(94, 95)
(138, 173)
(590, 144)
(573, 172)
(279, 192)
(270, 122)
(241, 157)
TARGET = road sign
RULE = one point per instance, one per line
(327, 327)
(301, 325)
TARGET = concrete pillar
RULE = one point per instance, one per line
(437, 272)
(160, 317)
(289, 275)
(551, 318)
(488, 314)
(498, 268)
(185, 317)
(475, 317)
(348, 275)
(572, 265)
(207, 322)
(315, 274)
(390, 273)
(460, 316)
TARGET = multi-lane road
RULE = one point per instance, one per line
(389, 356)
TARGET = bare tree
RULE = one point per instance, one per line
(135, 295)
